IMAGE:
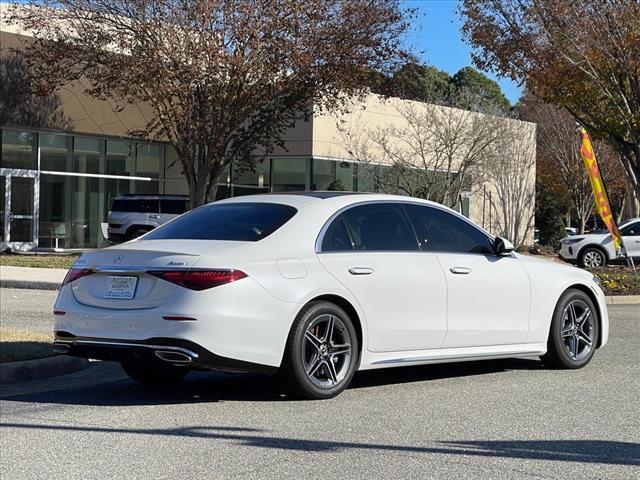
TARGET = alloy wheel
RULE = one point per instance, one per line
(327, 351)
(577, 330)
(593, 259)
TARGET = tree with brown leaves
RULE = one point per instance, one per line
(224, 77)
(583, 56)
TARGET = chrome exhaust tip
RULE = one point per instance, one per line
(173, 357)
(61, 348)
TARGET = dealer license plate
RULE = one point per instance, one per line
(122, 288)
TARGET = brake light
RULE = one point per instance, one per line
(75, 274)
(199, 279)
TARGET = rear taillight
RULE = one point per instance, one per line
(75, 274)
(199, 279)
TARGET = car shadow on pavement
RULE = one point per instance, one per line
(583, 451)
(210, 387)
(390, 376)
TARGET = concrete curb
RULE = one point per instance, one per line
(623, 300)
(29, 284)
(40, 368)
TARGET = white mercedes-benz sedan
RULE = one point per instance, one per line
(314, 286)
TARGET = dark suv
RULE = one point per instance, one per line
(134, 215)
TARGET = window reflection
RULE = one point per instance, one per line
(18, 150)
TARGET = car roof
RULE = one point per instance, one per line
(333, 200)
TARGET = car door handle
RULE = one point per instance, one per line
(155, 217)
(460, 270)
(360, 271)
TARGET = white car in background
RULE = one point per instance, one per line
(131, 216)
(596, 249)
(315, 286)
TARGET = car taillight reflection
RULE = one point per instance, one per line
(75, 274)
(199, 279)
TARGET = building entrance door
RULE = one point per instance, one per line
(18, 210)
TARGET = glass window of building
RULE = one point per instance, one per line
(248, 182)
(146, 187)
(18, 150)
(120, 158)
(149, 161)
(366, 178)
(55, 152)
(116, 187)
(344, 176)
(290, 174)
(55, 211)
(87, 212)
(87, 155)
(323, 172)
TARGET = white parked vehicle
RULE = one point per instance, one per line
(596, 249)
(317, 285)
(131, 216)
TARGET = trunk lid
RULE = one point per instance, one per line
(131, 262)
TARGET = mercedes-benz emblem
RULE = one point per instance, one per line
(117, 260)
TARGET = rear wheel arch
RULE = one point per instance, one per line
(349, 309)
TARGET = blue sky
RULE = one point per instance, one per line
(437, 41)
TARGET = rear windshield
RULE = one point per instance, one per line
(140, 206)
(247, 222)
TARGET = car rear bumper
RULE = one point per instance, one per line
(153, 350)
(240, 320)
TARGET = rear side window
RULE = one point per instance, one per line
(176, 207)
(380, 227)
(247, 222)
(139, 206)
(440, 231)
(336, 238)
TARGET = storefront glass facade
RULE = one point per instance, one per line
(68, 181)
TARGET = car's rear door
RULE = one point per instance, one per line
(372, 249)
(488, 296)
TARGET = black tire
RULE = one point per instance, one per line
(137, 232)
(592, 257)
(562, 333)
(155, 373)
(301, 353)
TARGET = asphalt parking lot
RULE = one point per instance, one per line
(481, 420)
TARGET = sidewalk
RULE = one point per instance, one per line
(32, 278)
(51, 278)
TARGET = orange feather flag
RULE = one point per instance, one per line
(600, 193)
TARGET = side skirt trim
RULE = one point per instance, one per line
(439, 357)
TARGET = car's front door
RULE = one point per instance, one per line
(488, 296)
(372, 250)
(631, 238)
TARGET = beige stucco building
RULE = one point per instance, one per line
(60, 171)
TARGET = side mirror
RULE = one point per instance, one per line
(502, 246)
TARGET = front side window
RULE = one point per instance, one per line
(246, 222)
(632, 230)
(440, 231)
(380, 227)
